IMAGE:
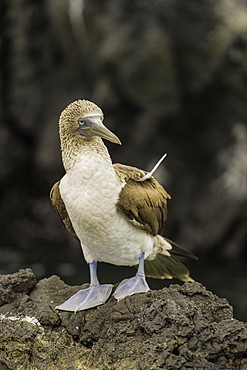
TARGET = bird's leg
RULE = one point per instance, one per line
(93, 296)
(137, 284)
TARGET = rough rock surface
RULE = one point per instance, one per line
(180, 327)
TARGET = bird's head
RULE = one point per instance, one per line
(86, 118)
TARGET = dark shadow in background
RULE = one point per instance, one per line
(170, 77)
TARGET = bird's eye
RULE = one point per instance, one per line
(81, 121)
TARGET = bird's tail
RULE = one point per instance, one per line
(165, 265)
(176, 250)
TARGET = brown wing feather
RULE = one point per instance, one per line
(59, 205)
(144, 203)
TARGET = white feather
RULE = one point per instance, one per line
(150, 174)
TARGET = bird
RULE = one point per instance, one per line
(117, 212)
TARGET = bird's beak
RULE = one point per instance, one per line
(93, 126)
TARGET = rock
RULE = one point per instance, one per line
(179, 327)
(11, 285)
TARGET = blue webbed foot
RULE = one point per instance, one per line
(93, 296)
(137, 284)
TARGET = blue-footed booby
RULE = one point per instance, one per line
(116, 211)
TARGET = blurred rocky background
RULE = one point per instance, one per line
(170, 76)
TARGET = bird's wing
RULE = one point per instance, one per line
(144, 203)
(59, 205)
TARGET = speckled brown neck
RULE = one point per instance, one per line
(74, 144)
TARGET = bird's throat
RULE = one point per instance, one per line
(74, 147)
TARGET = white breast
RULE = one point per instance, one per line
(90, 191)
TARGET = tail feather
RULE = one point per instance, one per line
(179, 251)
(166, 267)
